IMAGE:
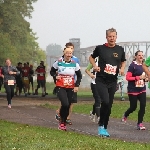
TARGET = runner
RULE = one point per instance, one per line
(65, 82)
(96, 106)
(136, 89)
(42, 62)
(74, 58)
(40, 71)
(120, 84)
(19, 83)
(25, 77)
(8, 73)
(31, 74)
(36, 90)
(111, 56)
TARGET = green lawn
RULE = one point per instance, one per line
(83, 92)
(14, 136)
(118, 109)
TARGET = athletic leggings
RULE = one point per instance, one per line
(65, 95)
(133, 105)
(9, 91)
(106, 93)
(96, 106)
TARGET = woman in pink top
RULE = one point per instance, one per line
(136, 89)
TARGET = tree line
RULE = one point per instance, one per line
(17, 40)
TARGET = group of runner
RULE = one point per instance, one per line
(25, 79)
(107, 63)
(108, 69)
(18, 79)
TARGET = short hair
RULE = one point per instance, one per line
(69, 44)
(111, 30)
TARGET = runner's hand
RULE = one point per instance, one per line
(75, 89)
(96, 68)
(142, 77)
(57, 77)
(10, 72)
(92, 76)
(121, 72)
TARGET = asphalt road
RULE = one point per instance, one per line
(29, 111)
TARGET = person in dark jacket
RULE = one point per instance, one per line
(8, 73)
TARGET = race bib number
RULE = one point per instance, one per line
(67, 81)
(109, 69)
(11, 82)
(25, 78)
(41, 74)
(139, 83)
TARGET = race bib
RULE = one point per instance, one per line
(11, 82)
(41, 74)
(68, 81)
(109, 69)
(25, 78)
(139, 83)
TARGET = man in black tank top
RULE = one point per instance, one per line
(111, 56)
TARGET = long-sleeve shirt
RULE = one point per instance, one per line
(66, 71)
(135, 84)
(7, 76)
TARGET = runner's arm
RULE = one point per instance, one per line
(87, 70)
(15, 71)
(53, 72)
(79, 77)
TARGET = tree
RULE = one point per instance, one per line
(18, 41)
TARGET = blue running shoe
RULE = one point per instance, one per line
(106, 133)
(101, 131)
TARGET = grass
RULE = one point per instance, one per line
(83, 92)
(119, 107)
(14, 136)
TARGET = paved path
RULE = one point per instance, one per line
(29, 111)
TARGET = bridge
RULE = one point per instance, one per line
(84, 53)
(129, 47)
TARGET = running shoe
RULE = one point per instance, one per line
(122, 99)
(9, 106)
(46, 93)
(68, 121)
(106, 133)
(62, 126)
(92, 117)
(57, 117)
(36, 92)
(103, 132)
(43, 95)
(140, 126)
(124, 119)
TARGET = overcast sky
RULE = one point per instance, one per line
(56, 21)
